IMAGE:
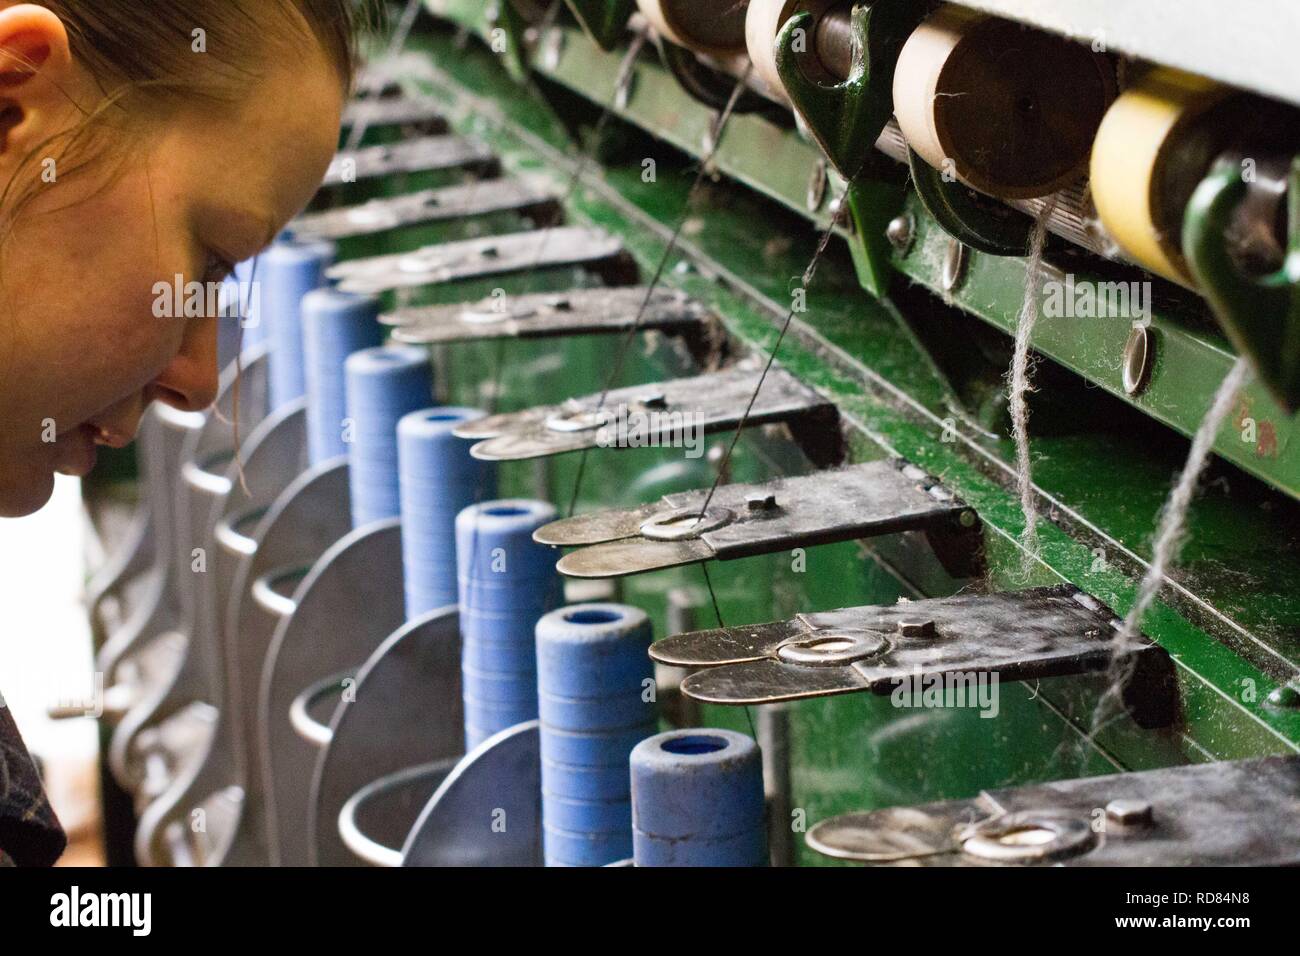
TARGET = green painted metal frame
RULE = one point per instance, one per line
(1191, 358)
(1232, 624)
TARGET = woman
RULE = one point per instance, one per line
(139, 143)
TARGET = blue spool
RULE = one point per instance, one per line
(593, 669)
(506, 583)
(334, 325)
(697, 800)
(286, 272)
(382, 385)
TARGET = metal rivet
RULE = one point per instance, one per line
(1139, 357)
(900, 232)
(418, 263)
(916, 627)
(683, 524)
(653, 400)
(817, 186)
(368, 215)
(954, 265)
(578, 421)
(968, 518)
(1285, 697)
(940, 493)
(833, 646)
(1028, 837)
(760, 502)
(1130, 813)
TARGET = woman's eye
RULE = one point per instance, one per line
(217, 269)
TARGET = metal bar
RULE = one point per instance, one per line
(1216, 814)
(542, 315)
(474, 258)
(386, 213)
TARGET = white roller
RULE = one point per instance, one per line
(716, 27)
(1008, 110)
(763, 21)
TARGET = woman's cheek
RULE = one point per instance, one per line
(134, 345)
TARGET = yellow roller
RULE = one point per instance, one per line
(715, 27)
(1009, 110)
(1150, 152)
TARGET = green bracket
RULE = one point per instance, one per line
(605, 21)
(484, 20)
(846, 117)
(874, 204)
(512, 21)
(1260, 314)
(982, 224)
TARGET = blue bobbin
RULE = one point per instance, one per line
(286, 272)
(697, 800)
(595, 699)
(334, 325)
(438, 479)
(382, 385)
(507, 582)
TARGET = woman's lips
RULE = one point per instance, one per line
(75, 450)
(112, 439)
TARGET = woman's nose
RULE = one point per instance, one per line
(190, 381)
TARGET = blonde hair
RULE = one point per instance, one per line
(179, 51)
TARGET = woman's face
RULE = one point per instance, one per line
(82, 351)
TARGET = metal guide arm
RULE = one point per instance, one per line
(425, 154)
(1017, 635)
(475, 258)
(656, 414)
(464, 201)
(423, 113)
(1214, 814)
(876, 498)
(545, 314)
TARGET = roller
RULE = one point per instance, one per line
(334, 325)
(507, 581)
(1152, 150)
(438, 479)
(763, 21)
(697, 800)
(285, 273)
(1010, 111)
(593, 666)
(715, 27)
(382, 385)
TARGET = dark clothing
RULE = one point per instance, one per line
(30, 834)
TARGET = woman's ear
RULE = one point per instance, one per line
(35, 75)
